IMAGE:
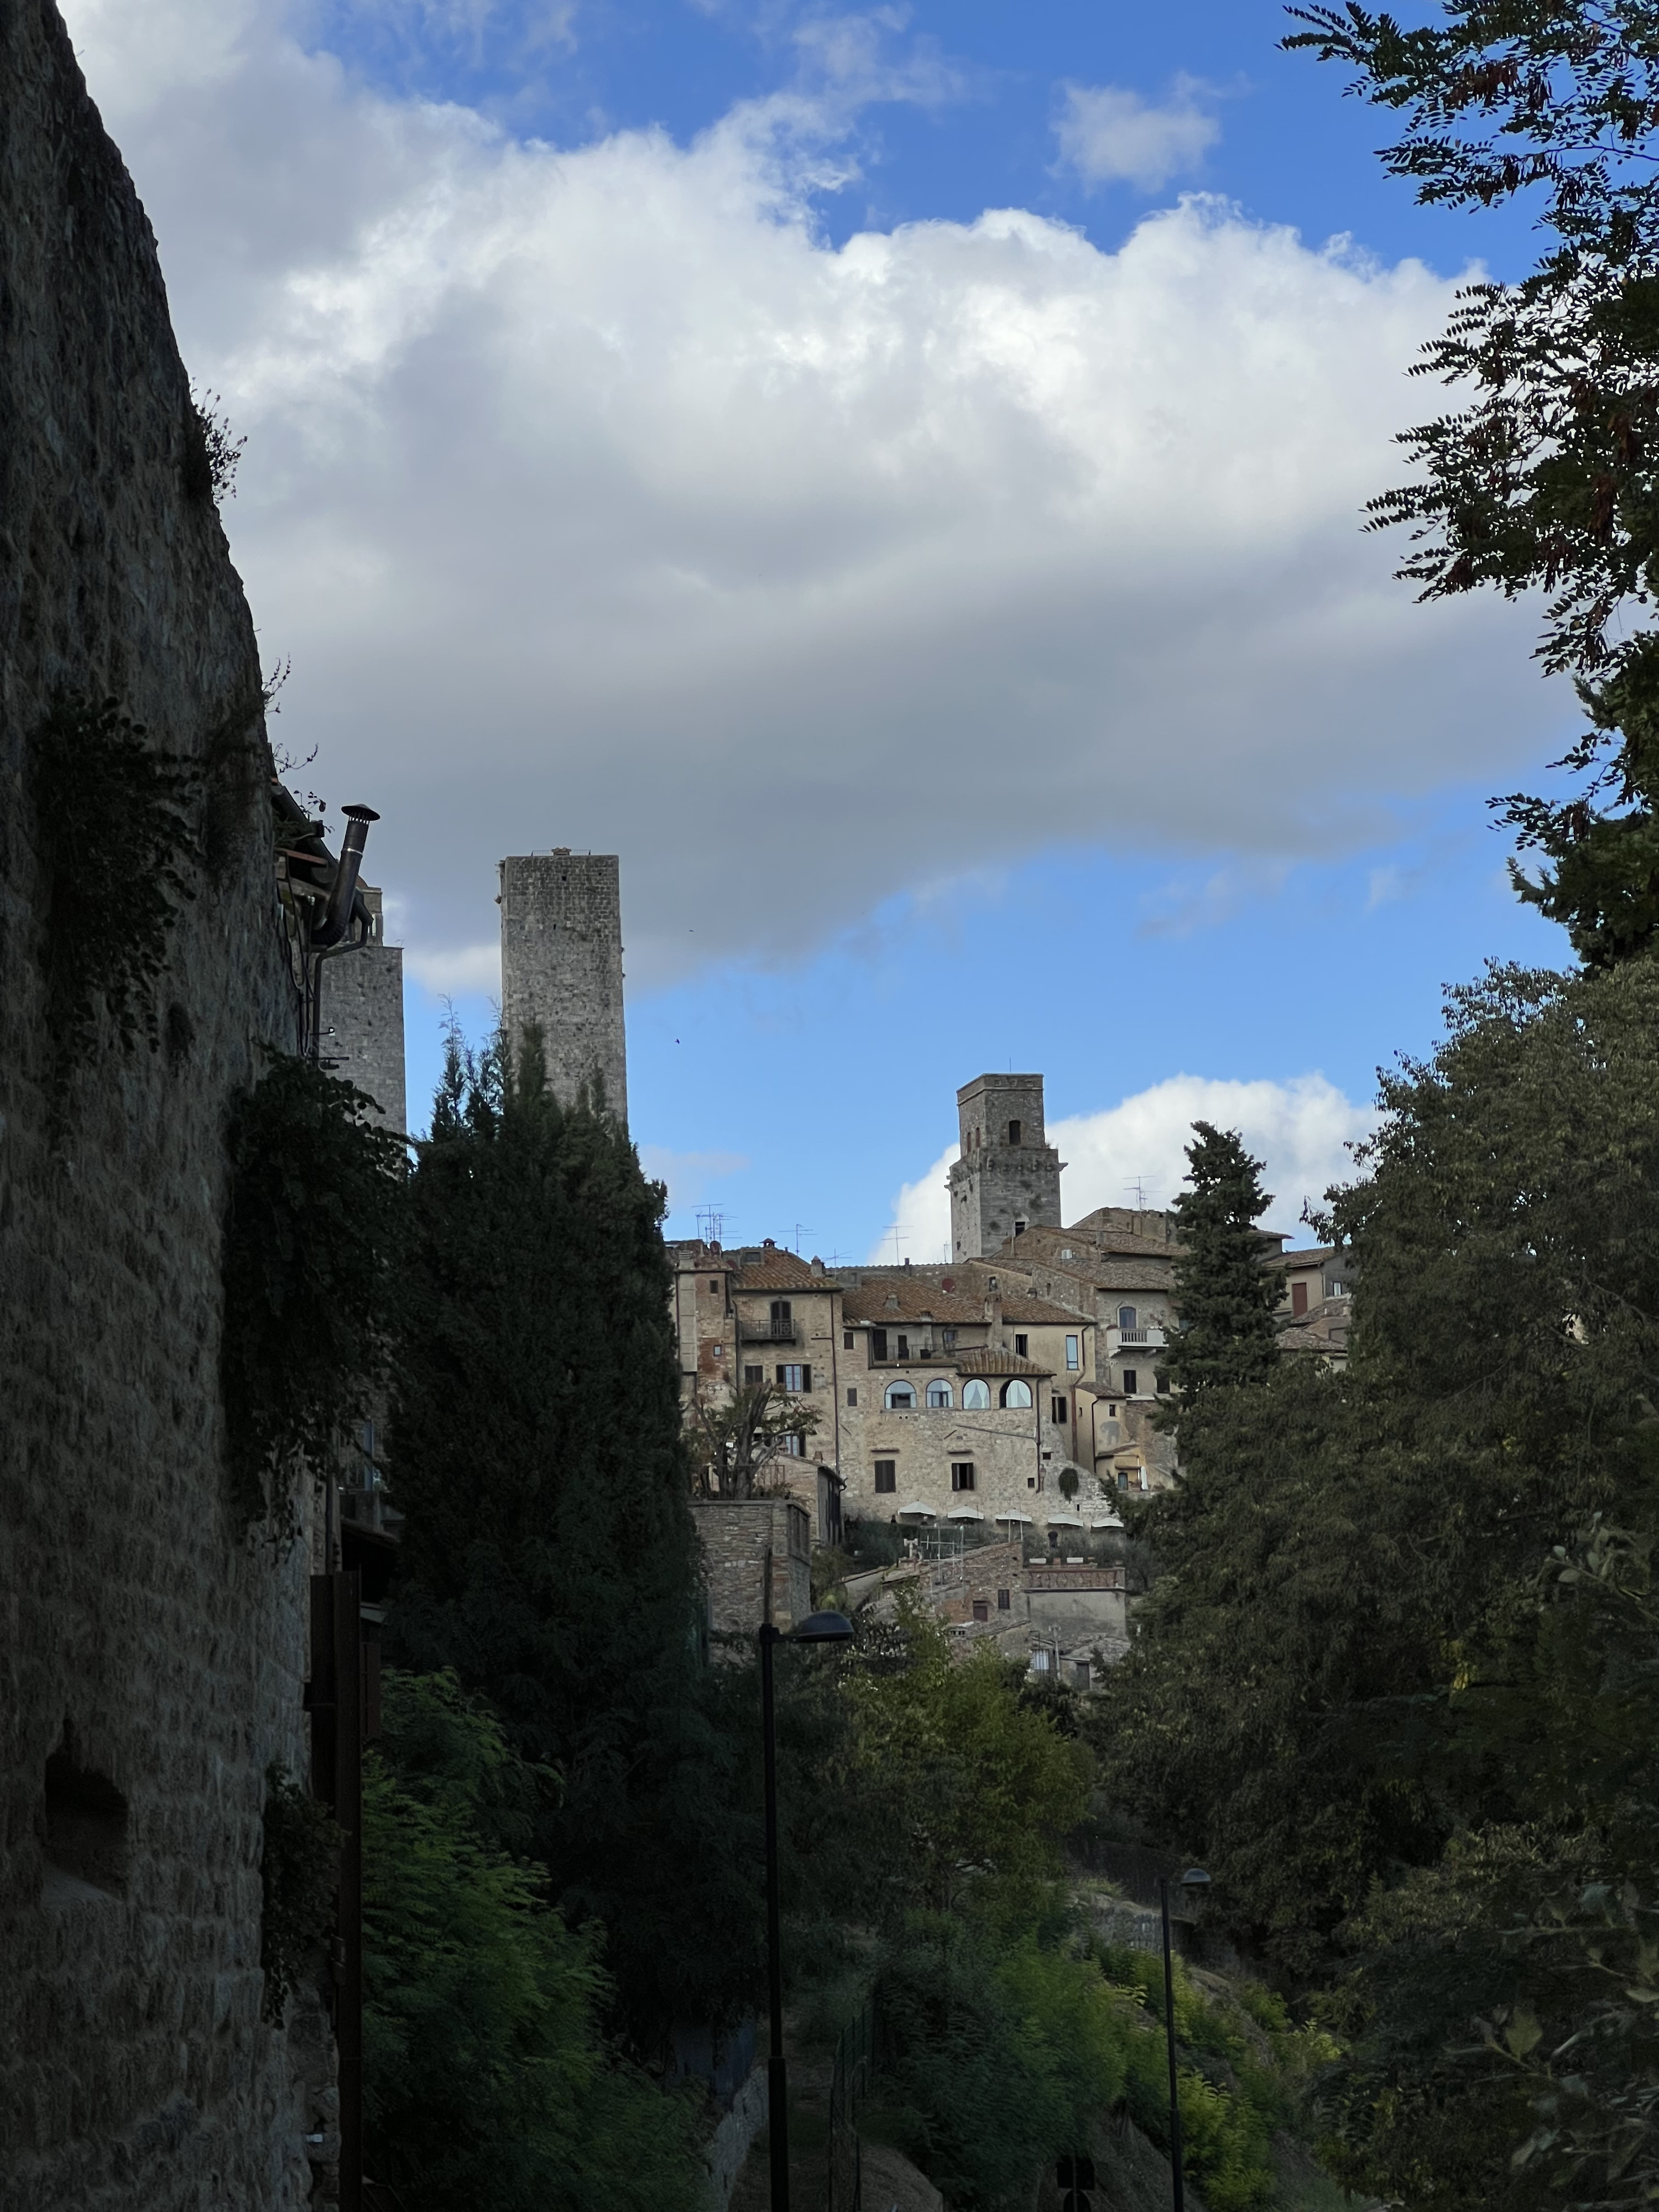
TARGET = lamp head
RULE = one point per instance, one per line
(1194, 1878)
(824, 1628)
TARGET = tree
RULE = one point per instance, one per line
(1223, 1292)
(739, 1440)
(1546, 476)
(486, 2077)
(548, 1555)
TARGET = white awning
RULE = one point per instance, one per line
(1065, 1520)
(1112, 1521)
(964, 1513)
(1025, 1517)
(927, 1512)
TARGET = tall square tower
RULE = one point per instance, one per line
(561, 970)
(1008, 1177)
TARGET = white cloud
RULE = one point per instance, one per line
(1300, 1128)
(465, 968)
(599, 502)
(688, 1175)
(1109, 135)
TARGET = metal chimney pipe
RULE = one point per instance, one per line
(337, 915)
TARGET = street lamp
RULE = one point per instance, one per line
(817, 1628)
(1194, 1878)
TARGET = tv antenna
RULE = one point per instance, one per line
(711, 1225)
(1139, 1186)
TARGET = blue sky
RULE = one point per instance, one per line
(960, 624)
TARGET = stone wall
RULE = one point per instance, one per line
(150, 1654)
(562, 968)
(363, 1018)
(740, 1536)
(997, 1183)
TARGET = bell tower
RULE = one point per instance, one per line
(1008, 1177)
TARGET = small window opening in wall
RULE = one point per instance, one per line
(1057, 1410)
(1298, 1298)
(948, 1339)
(886, 1474)
(1013, 1132)
(981, 1608)
(1005, 1602)
(714, 1290)
(1131, 1382)
(1071, 1353)
(1019, 1226)
(962, 1474)
(1022, 1347)
(753, 1378)
(904, 1345)
(86, 1821)
(878, 1344)
(846, 1340)
(851, 1397)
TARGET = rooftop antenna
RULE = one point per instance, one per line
(800, 1233)
(897, 1255)
(1139, 1187)
(711, 1225)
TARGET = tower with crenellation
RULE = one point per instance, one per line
(562, 971)
(1006, 1179)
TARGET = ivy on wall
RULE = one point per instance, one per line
(114, 831)
(298, 1873)
(316, 1215)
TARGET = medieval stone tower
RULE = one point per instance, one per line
(363, 1017)
(1007, 1179)
(562, 968)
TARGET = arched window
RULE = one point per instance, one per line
(938, 1394)
(1126, 1317)
(1016, 1394)
(900, 1398)
(975, 1396)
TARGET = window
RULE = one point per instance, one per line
(1023, 1347)
(1131, 1383)
(904, 1345)
(981, 1608)
(886, 1474)
(975, 1396)
(938, 1395)
(878, 1344)
(1013, 1132)
(714, 1290)
(1160, 1379)
(1071, 1354)
(783, 1316)
(1126, 1317)
(794, 1445)
(1039, 1662)
(1005, 1602)
(753, 1378)
(846, 1340)
(794, 1376)
(948, 1339)
(1057, 1410)
(1016, 1394)
(1020, 1226)
(1298, 1298)
(1111, 1413)
(1080, 1672)
(900, 1398)
(851, 1397)
(962, 1474)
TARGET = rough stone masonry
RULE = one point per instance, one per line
(150, 1653)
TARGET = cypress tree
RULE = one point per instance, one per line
(549, 1556)
(1223, 1292)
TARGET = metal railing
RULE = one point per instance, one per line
(769, 1332)
(850, 2085)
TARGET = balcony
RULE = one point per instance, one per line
(768, 1331)
(1135, 1339)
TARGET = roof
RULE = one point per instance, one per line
(1309, 1255)
(895, 1296)
(770, 1267)
(987, 1359)
(1323, 1329)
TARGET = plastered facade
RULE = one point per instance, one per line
(150, 1654)
(562, 968)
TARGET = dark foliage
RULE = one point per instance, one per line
(299, 1871)
(314, 1228)
(112, 827)
(210, 455)
(549, 1556)
(1223, 1292)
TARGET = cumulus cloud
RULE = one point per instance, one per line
(1109, 135)
(1301, 1129)
(600, 501)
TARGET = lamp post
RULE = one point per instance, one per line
(817, 1628)
(1194, 1878)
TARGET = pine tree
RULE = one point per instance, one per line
(549, 1555)
(1223, 1292)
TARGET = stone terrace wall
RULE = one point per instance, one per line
(143, 1640)
(737, 1534)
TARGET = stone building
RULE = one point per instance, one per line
(362, 1013)
(151, 1655)
(1008, 1177)
(758, 1562)
(562, 968)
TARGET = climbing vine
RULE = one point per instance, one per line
(315, 1218)
(298, 1873)
(113, 829)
